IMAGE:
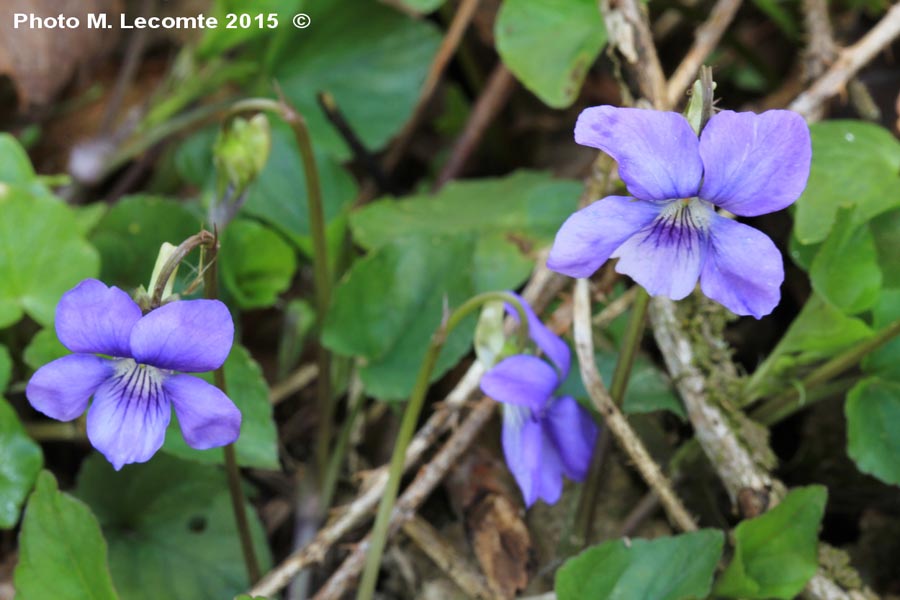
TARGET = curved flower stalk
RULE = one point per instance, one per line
(134, 388)
(668, 235)
(544, 436)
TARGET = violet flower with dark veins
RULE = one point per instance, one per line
(134, 387)
(669, 235)
(544, 436)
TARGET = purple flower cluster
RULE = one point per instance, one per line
(544, 436)
(668, 235)
(135, 387)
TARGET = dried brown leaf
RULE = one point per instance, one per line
(41, 61)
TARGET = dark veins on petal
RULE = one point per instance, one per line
(678, 229)
(139, 389)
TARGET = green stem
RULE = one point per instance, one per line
(211, 291)
(356, 399)
(321, 274)
(785, 402)
(203, 239)
(51, 431)
(407, 428)
(771, 413)
(580, 527)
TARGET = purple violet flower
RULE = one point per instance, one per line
(544, 436)
(669, 234)
(133, 389)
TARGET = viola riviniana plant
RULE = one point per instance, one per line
(668, 235)
(136, 382)
(544, 436)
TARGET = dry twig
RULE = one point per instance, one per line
(450, 43)
(733, 462)
(705, 40)
(499, 88)
(445, 556)
(543, 285)
(613, 417)
(849, 61)
(429, 477)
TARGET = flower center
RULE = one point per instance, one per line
(680, 224)
(138, 382)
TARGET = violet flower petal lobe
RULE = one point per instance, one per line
(656, 151)
(127, 420)
(589, 237)
(548, 342)
(572, 430)
(188, 335)
(523, 448)
(61, 388)
(743, 270)
(208, 418)
(666, 257)
(521, 380)
(92, 318)
(755, 164)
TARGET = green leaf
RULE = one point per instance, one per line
(391, 302)
(5, 368)
(15, 166)
(42, 256)
(821, 331)
(848, 254)
(669, 568)
(422, 7)
(130, 234)
(776, 554)
(375, 81)
(873, 420)
(20, 462)
(779, 15)
(550, 45)
(258, 444)
(853, 162)
(526, 206)
(256, 264)
(886, 233)
(43, 348)
(216, 41)
(169, 522)
(883, 361)
(278, 197)
(62, 554)
(427, 249)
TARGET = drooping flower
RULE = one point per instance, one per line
(137, 380)
(668, 235)
(544, 436)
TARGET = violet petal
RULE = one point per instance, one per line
(656, 151)
(92, 318)
(755, 164)
(574, 433)
(549, 343)
(589, 237)
(531, 459)
(208, 418)
(666, 256)
(521, 380)
(61, 389)
(128, 418)
(187, 335)
(743, 269)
